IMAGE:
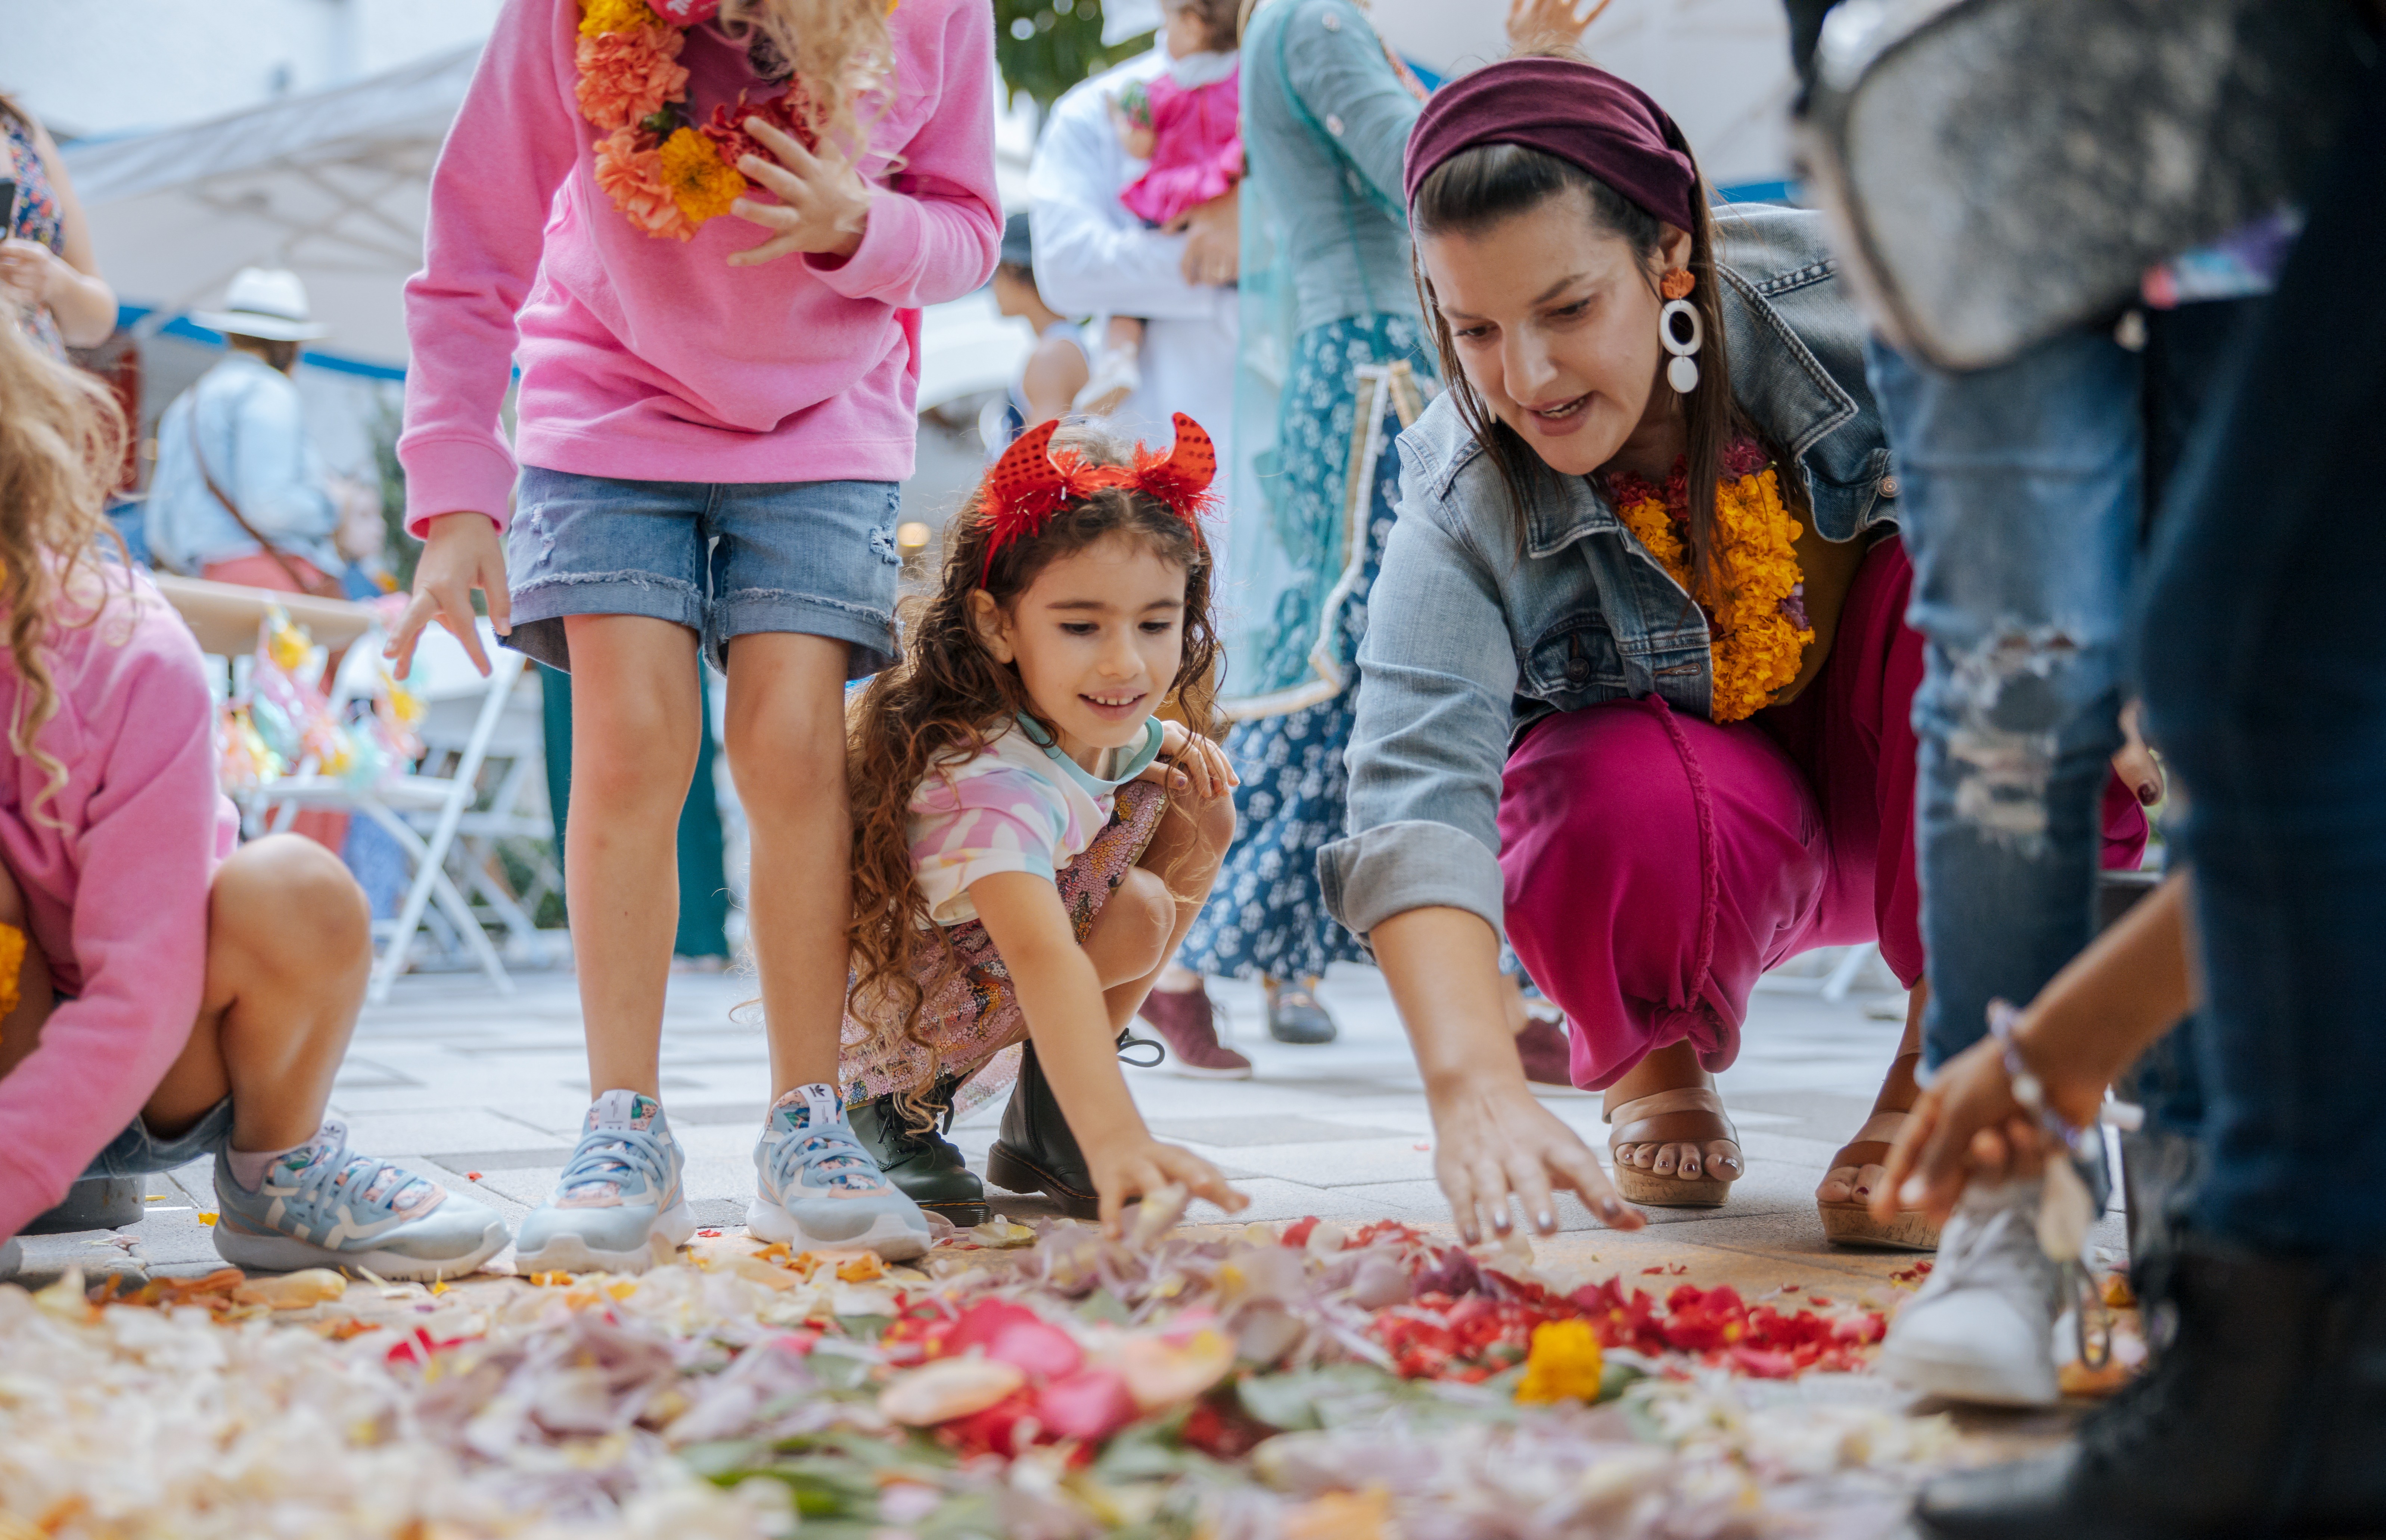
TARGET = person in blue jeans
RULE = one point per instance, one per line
(2026, 489)
(2265, 680)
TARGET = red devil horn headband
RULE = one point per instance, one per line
(1030, 483)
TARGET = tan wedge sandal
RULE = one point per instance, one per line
(1851, 1223)
(1668, 1118)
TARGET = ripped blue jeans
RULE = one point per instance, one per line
(2023, 489)
(2024, 508)
(722, 558)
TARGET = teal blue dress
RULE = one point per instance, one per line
(1335, 363)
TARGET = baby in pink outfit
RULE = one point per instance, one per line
(1184, 123)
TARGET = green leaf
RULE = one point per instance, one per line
(1104, 1306)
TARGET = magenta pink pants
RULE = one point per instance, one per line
(1657, 863)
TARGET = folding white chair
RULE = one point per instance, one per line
(422, 812)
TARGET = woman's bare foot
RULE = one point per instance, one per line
(1671, 1145)
(1857, 1172)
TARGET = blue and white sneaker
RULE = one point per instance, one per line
(620, 1206)
(323, 1206)
(816, 1185)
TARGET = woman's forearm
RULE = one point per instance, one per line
(1443, 966)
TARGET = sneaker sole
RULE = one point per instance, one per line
(570, 1253)
(284, 1254)
(888, 1235)
(1980, 1384)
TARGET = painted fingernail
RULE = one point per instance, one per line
(1729, 1164)
(1863, 1192)
(1547, 1222)
(1913, 1192)
(2149, 794)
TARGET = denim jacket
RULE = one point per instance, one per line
(1470, 642)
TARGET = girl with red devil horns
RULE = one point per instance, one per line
(1031, 841)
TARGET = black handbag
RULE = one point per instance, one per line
(2001, 170)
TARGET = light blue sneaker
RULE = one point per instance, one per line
(620, 1206)
(323, 1206)
(816, 1185)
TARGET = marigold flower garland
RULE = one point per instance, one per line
(1758, 622)
(666, 173)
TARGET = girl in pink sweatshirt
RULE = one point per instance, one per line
(163, 998)
(703, 230)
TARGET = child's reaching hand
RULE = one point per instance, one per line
(1140, 1165)
(461, 552)
(1187, 760)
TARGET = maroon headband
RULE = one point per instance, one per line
(1573, 110)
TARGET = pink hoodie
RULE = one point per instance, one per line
(114, 869)
(644, 359)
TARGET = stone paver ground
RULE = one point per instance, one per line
(488, 1092)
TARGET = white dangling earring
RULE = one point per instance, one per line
(1682, 370)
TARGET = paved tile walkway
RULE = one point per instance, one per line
(489, 1090)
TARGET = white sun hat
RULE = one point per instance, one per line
(265, 302)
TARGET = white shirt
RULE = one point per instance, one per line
(1091, 254)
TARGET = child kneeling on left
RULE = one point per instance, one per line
(163, 996)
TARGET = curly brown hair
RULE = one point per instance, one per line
(61, 443)
(948, 698)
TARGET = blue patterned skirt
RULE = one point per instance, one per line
(1266, 913)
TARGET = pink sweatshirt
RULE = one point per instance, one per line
(117, 898)
(644, 359)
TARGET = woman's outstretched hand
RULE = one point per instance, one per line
(1190, 762)
(823, 208)
(1551, 23)
(1493, 1140)
(460, 552)
(1141, 1166)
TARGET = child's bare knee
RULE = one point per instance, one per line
(1146, 911)
(286, 898)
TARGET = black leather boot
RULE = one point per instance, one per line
(2265, 1415)
(1036, 1152)
(923, 1164)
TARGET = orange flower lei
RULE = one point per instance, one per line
(666, 174)
(1758, 623)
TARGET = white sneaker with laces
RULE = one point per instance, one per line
(1982, 1328)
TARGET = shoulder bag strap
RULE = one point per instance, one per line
(327, 588)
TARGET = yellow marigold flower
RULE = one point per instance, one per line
(1563, 1364)
(600, 17)
(1756, 650)
(700, 181)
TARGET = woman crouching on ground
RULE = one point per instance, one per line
(1636, 687)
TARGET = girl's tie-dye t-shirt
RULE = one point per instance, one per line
(1021, 806)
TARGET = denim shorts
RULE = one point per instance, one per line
(138, 1152)
(722, 558)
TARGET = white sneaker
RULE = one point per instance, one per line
(1982, 1329)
